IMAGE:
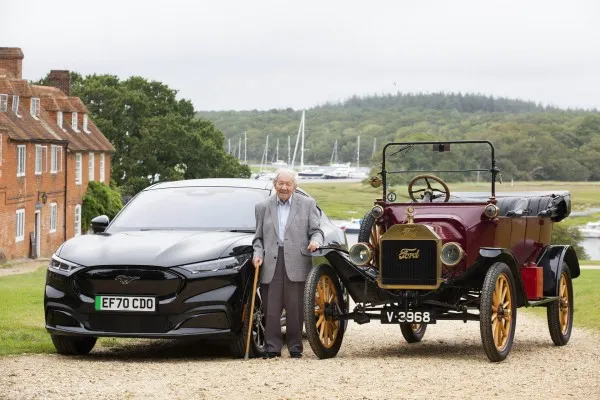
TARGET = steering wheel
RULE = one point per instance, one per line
(428, 192)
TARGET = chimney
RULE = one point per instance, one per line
(60, 79)
(11, 60)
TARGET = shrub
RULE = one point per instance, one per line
(562, 234)
(99, 199)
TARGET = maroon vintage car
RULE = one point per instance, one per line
(445, 256)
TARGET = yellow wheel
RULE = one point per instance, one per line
(560, 313)
(370, 233)
(498, 312)
(322, 299)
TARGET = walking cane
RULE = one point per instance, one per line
(256, 268)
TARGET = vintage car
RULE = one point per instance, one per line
(174, 263)
(446, 256)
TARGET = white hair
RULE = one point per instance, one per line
(285, 171)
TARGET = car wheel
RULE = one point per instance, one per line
(322, 294)
(498, 312)
(257, 341)
(560, 312)
(71, 345)
(413, 333)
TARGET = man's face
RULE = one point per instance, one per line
(285, 186)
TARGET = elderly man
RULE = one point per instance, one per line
(287, 231)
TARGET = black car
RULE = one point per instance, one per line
(174, 263)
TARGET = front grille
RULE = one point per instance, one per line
(129, 323)
(124, 280)
(410, 269)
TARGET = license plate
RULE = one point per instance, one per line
(125, 303)
(395, 316)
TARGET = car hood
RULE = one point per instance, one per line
(157, 248)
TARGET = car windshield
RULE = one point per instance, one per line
(453, 162)
(193, 208)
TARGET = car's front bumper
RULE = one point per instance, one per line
(204, 305)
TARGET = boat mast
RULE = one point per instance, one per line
(374, 146)
(245, 148)
(288, 160)
(358, 152)
(298, 138)
(240, 149)
(302, 148)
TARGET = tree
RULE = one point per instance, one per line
(156, 137)
(99, 199)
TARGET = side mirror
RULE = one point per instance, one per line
(100, 223)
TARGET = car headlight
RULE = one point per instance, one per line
(234, 262)
(63, 266)
(361, 253)
(451, 254)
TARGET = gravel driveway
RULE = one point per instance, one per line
(374, 363)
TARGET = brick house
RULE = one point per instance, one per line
(49, 150)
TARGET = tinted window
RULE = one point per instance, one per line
(191, 208)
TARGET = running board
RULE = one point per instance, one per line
(541, 302)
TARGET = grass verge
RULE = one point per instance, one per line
(586, 300)
(22, 317)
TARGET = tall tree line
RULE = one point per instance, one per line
(533, 142)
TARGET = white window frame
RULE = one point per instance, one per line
(74, 121)
(39, 159)
(102, 176)
(77, 221)
(20, 225)
(53, 217)
(15, 104)
(78, 169)
(59, 119)
(85, 123)
(21, 160)
(34, 107)
(55, 159)
(91, 165)
(3, 102)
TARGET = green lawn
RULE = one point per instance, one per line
(344, 200)
(22, 318)
(587, 300)
(22, 314)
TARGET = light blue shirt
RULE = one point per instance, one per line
(283, 212)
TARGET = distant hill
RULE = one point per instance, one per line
(533, 141)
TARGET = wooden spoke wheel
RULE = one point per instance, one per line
(370, 233)
(322, 297)
(560, 313)
(498, 312)
(413, 333)
(257, 341)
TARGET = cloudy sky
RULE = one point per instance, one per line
(264, 54)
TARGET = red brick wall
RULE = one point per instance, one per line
(14, 66)
(26, 193)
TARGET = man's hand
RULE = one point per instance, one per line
(257, 262)
(313, 246)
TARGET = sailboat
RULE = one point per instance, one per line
(277, 162)
(304, 172)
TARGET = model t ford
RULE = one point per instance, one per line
(445, 255)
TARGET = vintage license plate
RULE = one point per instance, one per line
(125, 303)
(395, 316)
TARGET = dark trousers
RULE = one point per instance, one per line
(281, 294)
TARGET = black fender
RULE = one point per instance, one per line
(551, 260)
(490, 255)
